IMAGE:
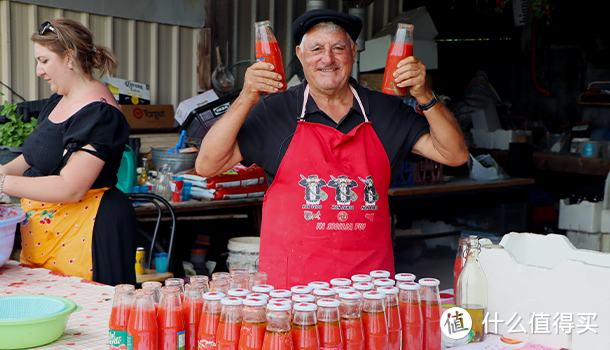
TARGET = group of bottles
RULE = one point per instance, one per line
(159, 185)
(366, 312)
(470, 285)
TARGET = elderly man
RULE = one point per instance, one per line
(317, 142)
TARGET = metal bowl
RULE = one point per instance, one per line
(177, 161)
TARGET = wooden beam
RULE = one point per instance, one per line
(5, 49)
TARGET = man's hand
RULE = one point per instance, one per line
(260, 77)
(411, 73)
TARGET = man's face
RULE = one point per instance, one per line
(327, 59)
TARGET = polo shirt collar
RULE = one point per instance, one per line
(313, 108)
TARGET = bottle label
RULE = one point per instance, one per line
(181, 340)
(129, 342)
(204, 344)
(117, 340)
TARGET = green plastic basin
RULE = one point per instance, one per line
(20, 328)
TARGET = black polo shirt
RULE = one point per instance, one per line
(270, 125)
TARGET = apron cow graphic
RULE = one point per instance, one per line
(313, 189)
(343, 189)
(370, 194)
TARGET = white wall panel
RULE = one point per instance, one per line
(163, 56)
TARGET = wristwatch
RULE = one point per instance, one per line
(428, 105)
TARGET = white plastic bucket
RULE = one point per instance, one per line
(243, 253)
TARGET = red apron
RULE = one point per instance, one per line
(326, 214)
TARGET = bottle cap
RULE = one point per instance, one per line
(303, 298)
(388, 290)
(328, 302)
(384, 282)
(427, 282)
(258, 296)
(380, 274)
(318, 284)
(231, 301)
(213, 296)
(255, 302)
(362, 278)
(238, 292)
(301, 289)
(344, 289)
(324, 292)
(409, 286)
(404, 277)
(280, 293)
(305, 307)
(281, 301)
(340, 282)
(273, 306)
(350, 295)
(363, 286)
(262, 288)
(374, 295)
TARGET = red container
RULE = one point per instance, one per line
(402, 47)
(266, 47)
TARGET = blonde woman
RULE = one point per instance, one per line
(78, 222)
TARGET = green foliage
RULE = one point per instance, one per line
(14, 131)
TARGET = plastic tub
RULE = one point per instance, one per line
(9, 218)
(28, 321)
(243, 253)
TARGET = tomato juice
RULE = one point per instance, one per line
(192, 315)
(330, 335)
(305, 337)
(142, 331)
(171, 328)
(412, 326)
(375, 330)
(397, 53)
(227, 336)
(394, 327)
(353, 333)
(431, 312)
(252, 336)
(277, 341)
(270, 51)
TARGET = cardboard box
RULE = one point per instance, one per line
(584, 216)
(187, 106)
(530, 274)
(128, 92)
(149, 117)
(499, 139)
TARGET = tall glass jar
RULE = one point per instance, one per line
(278, 335)
(472, 290)
(254, 326)
(329, 324)
(193, 304)
(210, 318)
(119, 316)
(170, 319)
(351, 320)
(392, 314)
(401, 48)
(460, 260)
(163, 188)
(411, 316)
(304, 327)
(142, 327)
(431, 311)
(374, 321)
(268, 48)
(229, 328)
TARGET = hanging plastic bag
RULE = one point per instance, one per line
(485, 168)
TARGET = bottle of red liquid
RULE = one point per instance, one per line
(329, 324)
(142, 328)
(278, 334)
(193, 304)
(268, 48)
(205, 280)
(460, 260)
(304, 327)
(119, 316)
(411, 316)
(154, 288)
(229, 327)
(431, 311)
(374, 321)
(392, 314)
(351, 320)
(176, 282)
(254, 325)
(401, 48)
(208, 323)
(170, 320)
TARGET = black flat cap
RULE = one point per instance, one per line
(351, 24)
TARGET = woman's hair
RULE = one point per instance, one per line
(68, 37)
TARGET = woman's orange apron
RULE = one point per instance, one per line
(58, 236)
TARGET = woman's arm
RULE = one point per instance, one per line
(16, 166)
(71, 185)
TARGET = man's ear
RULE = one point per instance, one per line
(299, 53)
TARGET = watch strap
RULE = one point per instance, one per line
(428, 105)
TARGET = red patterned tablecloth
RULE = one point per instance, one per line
(86, 329)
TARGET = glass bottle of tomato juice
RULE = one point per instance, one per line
(254, 326)
(268, 48)
(431, 311)
(278, 335)
(119, 316)
(401, 48)
(329, 324)
(142, 328)
(374, 321)
(411, 316)
(351, 320)
(170, 320)
(229, 327)
(304, 327)
(208, 323)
